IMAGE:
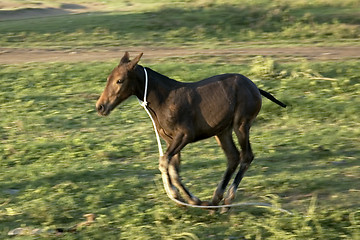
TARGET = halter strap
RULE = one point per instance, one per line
(144, 105)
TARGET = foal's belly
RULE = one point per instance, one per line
(206, 131)
(213, 117)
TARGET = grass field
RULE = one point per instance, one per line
(199, 24)
(59, 160)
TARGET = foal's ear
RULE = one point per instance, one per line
(125, 58)
(133, 62)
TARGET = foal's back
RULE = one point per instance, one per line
(216, 103)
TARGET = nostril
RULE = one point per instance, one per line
(100, 108)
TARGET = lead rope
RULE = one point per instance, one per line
(144, 105)
(161, 153)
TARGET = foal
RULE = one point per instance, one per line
(188, 112)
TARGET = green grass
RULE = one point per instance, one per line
(200, 24)
(59, 160)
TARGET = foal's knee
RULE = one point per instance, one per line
(163, 164)
(247, 158)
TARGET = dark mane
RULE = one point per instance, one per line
(158, 76)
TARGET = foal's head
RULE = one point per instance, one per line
(119, 85)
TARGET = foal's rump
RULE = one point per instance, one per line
(220, 99)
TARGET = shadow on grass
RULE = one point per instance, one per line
(178, 24)
(287, 171)
(90, 176)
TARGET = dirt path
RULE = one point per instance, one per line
(16, 56)
(11, 10)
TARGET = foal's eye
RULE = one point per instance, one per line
(120, 81)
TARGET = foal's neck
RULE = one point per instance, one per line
(159, 86)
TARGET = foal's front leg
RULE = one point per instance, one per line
(169, 169)
(174, 169)
(168, 186)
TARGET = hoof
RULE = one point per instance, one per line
(212, 211)
(206, 203)
(224, 210)
(216, 200)
(195, 201)
(227, 201)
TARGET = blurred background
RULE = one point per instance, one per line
(59, 160)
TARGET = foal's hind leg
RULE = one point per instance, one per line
(226, 142)
(247, 156)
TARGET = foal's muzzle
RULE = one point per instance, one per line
(102, 110)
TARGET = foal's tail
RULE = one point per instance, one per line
(272, 98)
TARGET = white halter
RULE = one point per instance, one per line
(144, 105)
